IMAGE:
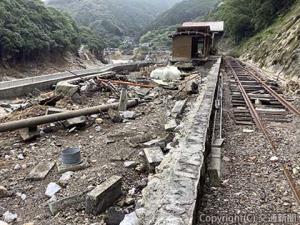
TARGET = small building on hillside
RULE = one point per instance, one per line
(195, 41)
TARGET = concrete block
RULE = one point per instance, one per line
(153, 156)
(104, 195)
(62, 168)
(178, 108)
(214, 167)
(40, 171)
(61, 204)
(171, 125)
(29, 134)
(77, 121)
(64, 88)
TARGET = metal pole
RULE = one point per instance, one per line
(32, 122)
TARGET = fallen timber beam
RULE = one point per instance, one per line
(32, 122)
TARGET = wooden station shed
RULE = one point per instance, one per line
(195, 40)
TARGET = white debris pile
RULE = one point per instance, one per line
(168, 73)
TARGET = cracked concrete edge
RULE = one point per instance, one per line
(170, 197)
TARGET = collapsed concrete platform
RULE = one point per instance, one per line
(21, 87)
(170, 197)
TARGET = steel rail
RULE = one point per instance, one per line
(261, 126)
(285, 103)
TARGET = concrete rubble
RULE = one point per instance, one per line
(121, 146)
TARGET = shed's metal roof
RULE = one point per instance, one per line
(215, 26)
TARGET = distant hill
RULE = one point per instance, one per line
(113, 17)
(156, 34)
(186, 10)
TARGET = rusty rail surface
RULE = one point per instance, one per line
(259, 123)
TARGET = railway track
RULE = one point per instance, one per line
(255, 101)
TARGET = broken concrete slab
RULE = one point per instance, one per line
(171, 125)
(29, 134)
(191, 87)
(77, 121)
(64, 88)
(41, 170)
(154, 156)
(104, 195)
(62, 168)
(59, 205)
(161, 142)
(178, 108)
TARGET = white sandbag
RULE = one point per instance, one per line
(168, 73)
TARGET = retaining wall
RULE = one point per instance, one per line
(171, 195)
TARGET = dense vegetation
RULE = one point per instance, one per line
(156, 34)
(29, 31)
(113, 19)
(244, 18)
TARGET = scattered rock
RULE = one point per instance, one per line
(65, 177)
(274, 159)
(9, 217)
(17, 167)
(4, 192)
(114, 216)
(248, 131)
(130, 164)
(52, 189)
(128, 114)
(21, 157)
(3, 223)
(226, 159)
(99, 121)
(98, 128)
(129, 201)
(114, 116)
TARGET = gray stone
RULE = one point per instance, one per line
(104, 195)
(56, 206)
(191, 87)
(28, 134)
(115, 116)
(161, 142)
(65, 177)
(154, 156)
(77, 121)
(178, 108)
(40, 171)
(3, 192)
(171, 125)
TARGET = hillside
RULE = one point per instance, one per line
(278, 46)
(30, 32)
(114, 17)
(156, 34)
